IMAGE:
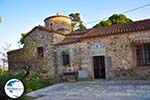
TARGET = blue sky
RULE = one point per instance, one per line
(20, 16)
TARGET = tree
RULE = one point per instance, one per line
(114, 19)
(76, 21)
(3, 56)
(21, 41)
(81, 27)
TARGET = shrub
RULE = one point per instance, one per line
(34, 82)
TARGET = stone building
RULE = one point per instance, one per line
(120, 51)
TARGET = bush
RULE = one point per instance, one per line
(31, 83)
(34, 82)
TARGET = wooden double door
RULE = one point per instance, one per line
(99, 67)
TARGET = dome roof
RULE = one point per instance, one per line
(57, 15)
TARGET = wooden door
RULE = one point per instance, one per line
(99, 67)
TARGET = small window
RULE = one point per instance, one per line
(143, 55)
(51, 24)
(40, 52)
(66, 60)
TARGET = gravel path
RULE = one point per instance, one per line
(95, 90)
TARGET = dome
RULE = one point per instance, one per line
(59, 23)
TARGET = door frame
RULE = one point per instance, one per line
(102, 77)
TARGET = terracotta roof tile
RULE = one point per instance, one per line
(103, 31)
(119, 29)
(43, 28)
(106, 31)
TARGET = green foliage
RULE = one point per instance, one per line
(114, 19)
(31, 83)
(5, 76)
(34, 82)
(0, 20)
(81, 27)
(22, 38)
(76, 21)
(75, 17)
(24, 97)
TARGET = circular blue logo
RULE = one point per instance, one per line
(14, 88)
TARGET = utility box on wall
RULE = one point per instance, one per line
(82, 74)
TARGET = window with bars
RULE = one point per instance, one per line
(143, 55)
(40, 52)
(66, 60)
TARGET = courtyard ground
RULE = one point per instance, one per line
(95, 90)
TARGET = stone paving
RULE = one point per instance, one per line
(95, 90)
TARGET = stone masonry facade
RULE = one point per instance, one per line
(119, 56)
(117, 44)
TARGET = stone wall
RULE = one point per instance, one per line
(120, 54)
(40, 38)
(28, 55)
(58, 38)
(14, 59)
(118, 51)
(79, 58)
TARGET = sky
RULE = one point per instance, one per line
(20, 16)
